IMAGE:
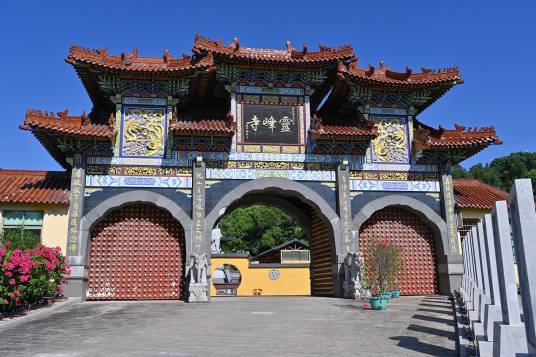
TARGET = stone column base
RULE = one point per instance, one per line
(76, 283)
(197, 292)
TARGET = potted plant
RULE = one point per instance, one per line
(383, 265)
(396, 260)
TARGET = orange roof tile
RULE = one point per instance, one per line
(470, 193)
(288, 55)
(386, 76)
(134, 63)
(460, 137)
(25, 186)
(65, 124)
(365, 131)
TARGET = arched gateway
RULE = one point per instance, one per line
(179, 141)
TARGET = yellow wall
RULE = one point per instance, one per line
(292, 280)
(54, 231)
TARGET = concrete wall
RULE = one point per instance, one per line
(293, 280)
(54, 230)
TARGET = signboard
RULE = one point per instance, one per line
(270, 124)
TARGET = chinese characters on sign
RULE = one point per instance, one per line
(198, 209)
(344, 204)
(449, 215)
(75, 209)
(267, 124)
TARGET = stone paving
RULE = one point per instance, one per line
(255, 326)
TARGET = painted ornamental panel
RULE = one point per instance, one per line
(143, 131)
(392, 143)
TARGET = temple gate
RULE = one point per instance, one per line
(200, 134)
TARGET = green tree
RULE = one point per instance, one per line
(257, 228)
(502, 171)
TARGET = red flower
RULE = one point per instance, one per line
(5, 302)
(7, 243)
(8, 274)
(12, 282)
(25, 278)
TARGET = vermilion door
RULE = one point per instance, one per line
(416, 239)
(136, 252)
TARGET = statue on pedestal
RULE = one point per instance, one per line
(215, 241)
(353, 275)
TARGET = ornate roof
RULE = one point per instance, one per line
(132, 62)
(461, 142)
(475, 194)
(62, 123)
(364, 131)
(61, 133)
(385, 76)
(25, 186)
(213, 127)
(234, 51)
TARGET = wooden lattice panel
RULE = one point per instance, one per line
(415, 238)
(136, 252)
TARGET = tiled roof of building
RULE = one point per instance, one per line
(459, 137)
(461, 142)
(62, 123)
(25, 186)
(132, 62)
(470, 193)
(203, 122)
(365, 131)
(261, 55)
(386, 76)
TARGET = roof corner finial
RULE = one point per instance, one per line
(165, 56)
(133, 52)
(305, 48)
(288, 44)
(382, 64)
(236, 44)
(123, 56)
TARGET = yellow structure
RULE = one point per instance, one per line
(266, 279)
(54, 226)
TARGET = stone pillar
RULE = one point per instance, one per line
(198, 274)
(509, 335)
(524, 232)
(77, 281)
(348, 245)
(453, 256)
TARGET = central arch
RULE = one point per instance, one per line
(320, 221)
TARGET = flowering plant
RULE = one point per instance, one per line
(384, 261)
(31, 274)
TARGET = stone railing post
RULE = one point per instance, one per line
(509, 335)
(523, 217)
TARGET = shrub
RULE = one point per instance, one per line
(383, 263)
(29, 275)
(21, 238)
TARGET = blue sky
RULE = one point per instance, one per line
(492, 42)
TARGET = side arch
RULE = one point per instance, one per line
(126, 198)
(417, 207)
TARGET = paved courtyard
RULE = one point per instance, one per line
(256, 326)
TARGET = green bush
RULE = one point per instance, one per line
(21, 238)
